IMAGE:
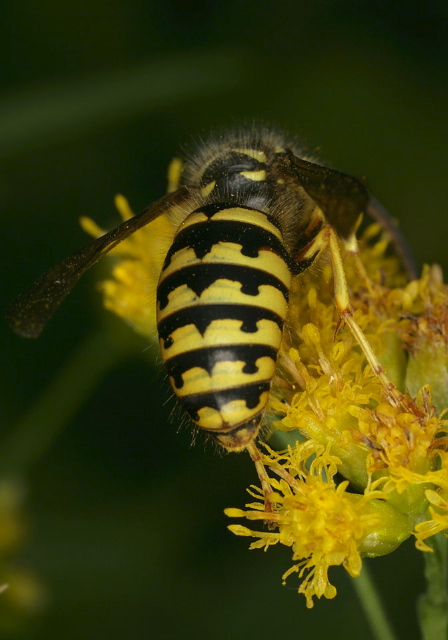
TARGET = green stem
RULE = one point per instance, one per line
(34, 433)
(433, 605)
(372, 605)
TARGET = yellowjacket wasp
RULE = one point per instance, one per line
(251, 213)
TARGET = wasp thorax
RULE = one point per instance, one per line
(237, 172)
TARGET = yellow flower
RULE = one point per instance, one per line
(131, 292)
(391, 454)
(323, 523)
(329, 414)
(439, 517)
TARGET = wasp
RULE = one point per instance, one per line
(251, 214)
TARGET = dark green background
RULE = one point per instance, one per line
(126, 529)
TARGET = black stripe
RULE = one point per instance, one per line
(207, 357)
(250, 393)
(202, 315)
(249, 426)
(198, 277)
(213, 208)
(302, 265)
(201, 237)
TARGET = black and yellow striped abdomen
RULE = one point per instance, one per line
(221, 302)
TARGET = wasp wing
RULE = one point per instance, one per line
(29, 314)
(343, 198)
(379, 213)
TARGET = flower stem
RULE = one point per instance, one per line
(433, 605)
(34, 433)
(372, 605)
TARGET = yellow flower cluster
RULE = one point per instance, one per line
(392, 457)
(131, 293)
(322, 522)
(329, 415)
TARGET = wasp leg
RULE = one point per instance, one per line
(257, 459)
(352, 247)
(327, 238)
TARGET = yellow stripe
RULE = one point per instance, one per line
(225, 375)
(205, 191)
(230, 415)
(256, 176)
(193, 218)
(221, 333)
(225, 292)
(251, 216)
(230, 253)
(257, 154)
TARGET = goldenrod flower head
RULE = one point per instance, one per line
(391, 455)
(131, 292)
(330, 413)
(323, 523)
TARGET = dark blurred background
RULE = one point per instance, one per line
(116, 525)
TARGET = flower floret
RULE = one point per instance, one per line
(322, 522)
(131, 291)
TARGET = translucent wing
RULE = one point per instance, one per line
(342, 199)
(29, 314)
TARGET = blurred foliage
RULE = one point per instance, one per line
(127, 533)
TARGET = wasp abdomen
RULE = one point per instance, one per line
(222, 299)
